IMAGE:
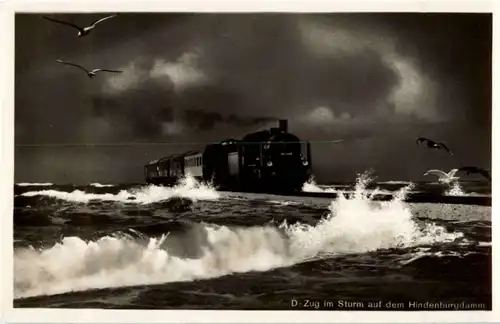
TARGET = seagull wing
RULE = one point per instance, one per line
(438, 173)
(73, 64)
(452, 173)
(103, 19)
(107, 70)
(446, 148)
(421, 140)
(64, 23)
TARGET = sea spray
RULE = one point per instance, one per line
(35, 184)
(99, 185)
(355, 224)
(362, 179)
(358, 224)
(188, 187)
(311, 186)
(455, 190)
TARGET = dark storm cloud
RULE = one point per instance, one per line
(364, 78)
(257, 67)
(149, 107)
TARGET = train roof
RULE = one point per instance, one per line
(164, 158)
(191, 152)
(174, 156)
(171, 157)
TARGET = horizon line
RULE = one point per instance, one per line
(166, 143)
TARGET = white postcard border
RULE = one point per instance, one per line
(16, 315)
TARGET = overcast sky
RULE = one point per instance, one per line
(378, 81)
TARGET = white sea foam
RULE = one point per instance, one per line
(455, 190)
(187, 188)
(424, 252)
(283, 202)
(98, 185)
(312, 186)
(355, 224)
(39, 184)
(395, 182)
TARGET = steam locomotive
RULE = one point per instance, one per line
(271, 160)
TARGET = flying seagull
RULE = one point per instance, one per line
(443, 177)
(431, 144)
(82, 31)
(471, 169)
(91, 73)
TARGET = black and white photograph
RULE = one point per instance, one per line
(264, 161)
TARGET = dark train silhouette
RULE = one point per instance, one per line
(270, 160)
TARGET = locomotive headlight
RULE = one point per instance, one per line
(269, 164)
(305, 163)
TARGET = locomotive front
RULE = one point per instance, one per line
(286, 161)
(280, 161)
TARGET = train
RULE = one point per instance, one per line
(269, 160)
